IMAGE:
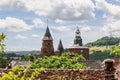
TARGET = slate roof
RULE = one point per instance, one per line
(92, 64)
(60, 47)
(47, 35)
(17, 62)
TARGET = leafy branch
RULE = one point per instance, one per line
(2, 45)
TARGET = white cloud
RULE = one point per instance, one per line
(109, 8)
(36, 35)
(117, 0)
(112, 27)
(66, 10)
(85, 29)
(20, 37)
(112, 15)
(12, 4)
(14, 24)
(59, 21)
(61, 28)
(38, 23)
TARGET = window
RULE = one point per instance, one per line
(48, 43)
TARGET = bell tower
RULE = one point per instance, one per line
(77, 47)
(78, 39)
(47, 44)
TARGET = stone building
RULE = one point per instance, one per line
(47, 44)
(60, 49)
(48, 49)
(77, 47)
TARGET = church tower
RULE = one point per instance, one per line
(47, 44)
(77, 47)
(78, 39)
(60, 49)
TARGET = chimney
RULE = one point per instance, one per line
(116, 61)
(109, 69)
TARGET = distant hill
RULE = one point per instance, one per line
(24, 52)
(104, 41)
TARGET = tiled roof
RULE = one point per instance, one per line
(92, 64)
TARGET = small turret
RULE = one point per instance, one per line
(60, 49)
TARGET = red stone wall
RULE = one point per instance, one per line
(116, 61)
(47, 48)
(85, 52)
(72, 75)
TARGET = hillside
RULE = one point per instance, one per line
(104, 41)
(24, 52)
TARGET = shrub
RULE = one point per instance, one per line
(62, 62)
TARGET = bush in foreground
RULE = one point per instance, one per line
(33, 71)
(61, 62)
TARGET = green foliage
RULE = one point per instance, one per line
(116, 50)
(16, 69)
(105, 41)
(33, 71)
(19, 73)
(101, 55)
(3, 62)
(26, 57)
(62, 62)
(2, 45)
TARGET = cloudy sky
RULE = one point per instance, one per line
(25, 21)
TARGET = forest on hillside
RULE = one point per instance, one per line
(105, 41)
(101, 48)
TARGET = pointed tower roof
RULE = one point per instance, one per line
(60, 47)
(47, 35)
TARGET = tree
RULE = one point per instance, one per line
(2, 45)
(104, 41)
(3, 62)
(101, 55)
(26, 57)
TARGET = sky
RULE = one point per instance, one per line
(25, 21)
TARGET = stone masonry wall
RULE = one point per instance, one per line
(70, 74)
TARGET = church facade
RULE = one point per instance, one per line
(47, 48)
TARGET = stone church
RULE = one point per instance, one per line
(47, 48)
